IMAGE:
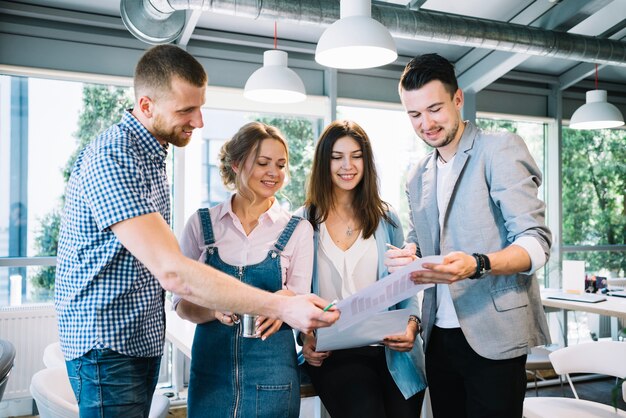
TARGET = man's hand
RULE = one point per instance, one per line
(455, 266)
(305, 312)
(396, 258)
(308, 351)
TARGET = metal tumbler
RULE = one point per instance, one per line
(248, 326)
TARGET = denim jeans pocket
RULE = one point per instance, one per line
(273, 401)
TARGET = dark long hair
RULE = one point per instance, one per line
(370, 209)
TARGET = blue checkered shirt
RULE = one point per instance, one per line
(104, 297)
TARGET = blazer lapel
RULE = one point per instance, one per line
(429, 188)
(465, 144)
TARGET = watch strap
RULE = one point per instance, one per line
(483, 266)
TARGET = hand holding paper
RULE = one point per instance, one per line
(309, 351)
(372, 330)
(402, 341)
(396, 258)
(383, 294)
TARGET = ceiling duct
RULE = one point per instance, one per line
(145, 18)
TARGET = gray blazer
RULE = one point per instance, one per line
(493, 202)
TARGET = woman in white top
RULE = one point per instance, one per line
(352, 226)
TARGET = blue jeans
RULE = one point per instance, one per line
(110, 384)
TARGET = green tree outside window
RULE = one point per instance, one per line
(103, 106)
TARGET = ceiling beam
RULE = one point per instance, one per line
(190, 25)
(491, 66)
(475, 81)
(489, 69)
(618, 32)
(60, 15)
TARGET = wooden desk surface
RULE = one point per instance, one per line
(612, 306)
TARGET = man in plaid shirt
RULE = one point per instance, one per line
(117, 254)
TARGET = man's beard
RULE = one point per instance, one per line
(170, 135)
(448, 138)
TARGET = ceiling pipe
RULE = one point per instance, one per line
(402, 23)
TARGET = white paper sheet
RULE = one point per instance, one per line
(574, 276)
(369, 331)
(384, 293)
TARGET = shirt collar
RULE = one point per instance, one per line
(146, 141)
(273, 213)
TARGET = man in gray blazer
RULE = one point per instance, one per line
(473, 199)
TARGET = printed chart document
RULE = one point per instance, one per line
(369, 331)
(384, 293)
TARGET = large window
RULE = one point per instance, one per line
(395, 146)
(534, 135)
(43, 124)
(594, 200)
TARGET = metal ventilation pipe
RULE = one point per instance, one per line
(162, 21)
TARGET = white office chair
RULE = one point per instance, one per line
(53, 356)
(538, 359)
(54, 396)
(603, 357)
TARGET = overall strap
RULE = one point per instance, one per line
(286, 234)
(207, 226)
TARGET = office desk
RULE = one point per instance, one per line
(614, 307)
(179, 332)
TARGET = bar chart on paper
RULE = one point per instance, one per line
(377, 302)
(383, 294)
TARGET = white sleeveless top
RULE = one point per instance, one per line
(343, 273)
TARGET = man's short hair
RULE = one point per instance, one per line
(425, 68)
(159, 64)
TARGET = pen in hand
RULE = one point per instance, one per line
(330, 305)
(393, 247)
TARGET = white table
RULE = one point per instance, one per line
(613, 306)
(180, 333)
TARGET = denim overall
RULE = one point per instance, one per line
(233, 376)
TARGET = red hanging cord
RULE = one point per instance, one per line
(276, 40)
(596, 75)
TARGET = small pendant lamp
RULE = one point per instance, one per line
(275, 82)
(355, 40)
(596, 113)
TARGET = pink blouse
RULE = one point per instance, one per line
(238, 249)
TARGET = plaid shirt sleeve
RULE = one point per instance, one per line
(115, 186)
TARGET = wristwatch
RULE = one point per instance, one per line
(483, 266)
(413, 318)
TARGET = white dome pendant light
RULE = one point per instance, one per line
(275, 82)
(356, 40)
(596, 113)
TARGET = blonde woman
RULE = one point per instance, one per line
(249, 236)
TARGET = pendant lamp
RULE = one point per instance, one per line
(355, 40)
(596, 113)
(275, 82)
